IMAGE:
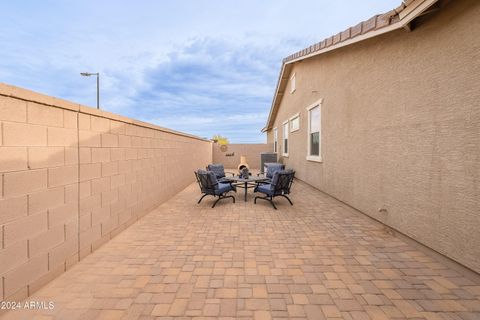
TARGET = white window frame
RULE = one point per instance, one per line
(295, 116)
(275, 140)
(319, 157)
(285, 123)
(293, 83)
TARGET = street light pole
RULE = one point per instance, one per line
(98, 91)
(88, 74)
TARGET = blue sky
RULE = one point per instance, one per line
(200, 66)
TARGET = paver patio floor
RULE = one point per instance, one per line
(319, 259)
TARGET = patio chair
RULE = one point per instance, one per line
(210, 186)
(278, 187)
(272, 167)
(219, 171)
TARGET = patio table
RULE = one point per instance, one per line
(245, 183)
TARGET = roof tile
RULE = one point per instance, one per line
(344, 35)
(394, 19)
(356, 30)
(336, 38)
(399, 8)
(329, 41)
(369, 24)
(374, 23)
(382, 21)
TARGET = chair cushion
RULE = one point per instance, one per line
(213, 178)
(272, 168)
(223, 187)
(218, 169)
(277, 173)
(265, 188)
(207, 181)
(275, 178)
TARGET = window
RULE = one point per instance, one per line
(293, 83)
(314, 132)
(285, 138)
(295, 123)
(275, 140)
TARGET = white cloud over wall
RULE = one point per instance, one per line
(203, 67)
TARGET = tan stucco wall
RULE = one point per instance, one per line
(251, 151)
(400, 129)
(72, 177)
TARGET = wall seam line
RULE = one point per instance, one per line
(78, 187)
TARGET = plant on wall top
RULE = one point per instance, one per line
(220, 139)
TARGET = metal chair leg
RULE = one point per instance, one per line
(265, 198)
(273, 204)
(287, 199)
(202, 198)
(215, 203)
(220, 197)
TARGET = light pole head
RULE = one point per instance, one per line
(88, 74)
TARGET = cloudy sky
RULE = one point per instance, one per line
(200, 66)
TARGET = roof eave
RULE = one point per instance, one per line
(405, 18)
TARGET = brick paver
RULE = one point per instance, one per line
(319, 259)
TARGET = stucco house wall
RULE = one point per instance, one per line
(73, 177)
(400, 128)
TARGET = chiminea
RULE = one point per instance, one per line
(243, 167)
(244, 173)
(243, 163)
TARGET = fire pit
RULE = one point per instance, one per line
(243, 167)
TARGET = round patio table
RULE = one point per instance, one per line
(245, 183)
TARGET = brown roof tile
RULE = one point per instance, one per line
(399, 8)
(336, 38)
(323, 43)
(344, 35)
(394, 19)
(374, 23)
(356, 30)
(383, 21)
(369, 24)
(329, 41)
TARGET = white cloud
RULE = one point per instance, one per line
(160, 59)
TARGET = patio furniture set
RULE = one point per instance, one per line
(276, 181)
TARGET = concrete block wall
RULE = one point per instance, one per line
(72, 177)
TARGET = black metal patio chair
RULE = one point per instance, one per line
(210, 186)
(271, 168)
(278, 187)
(219, 171)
